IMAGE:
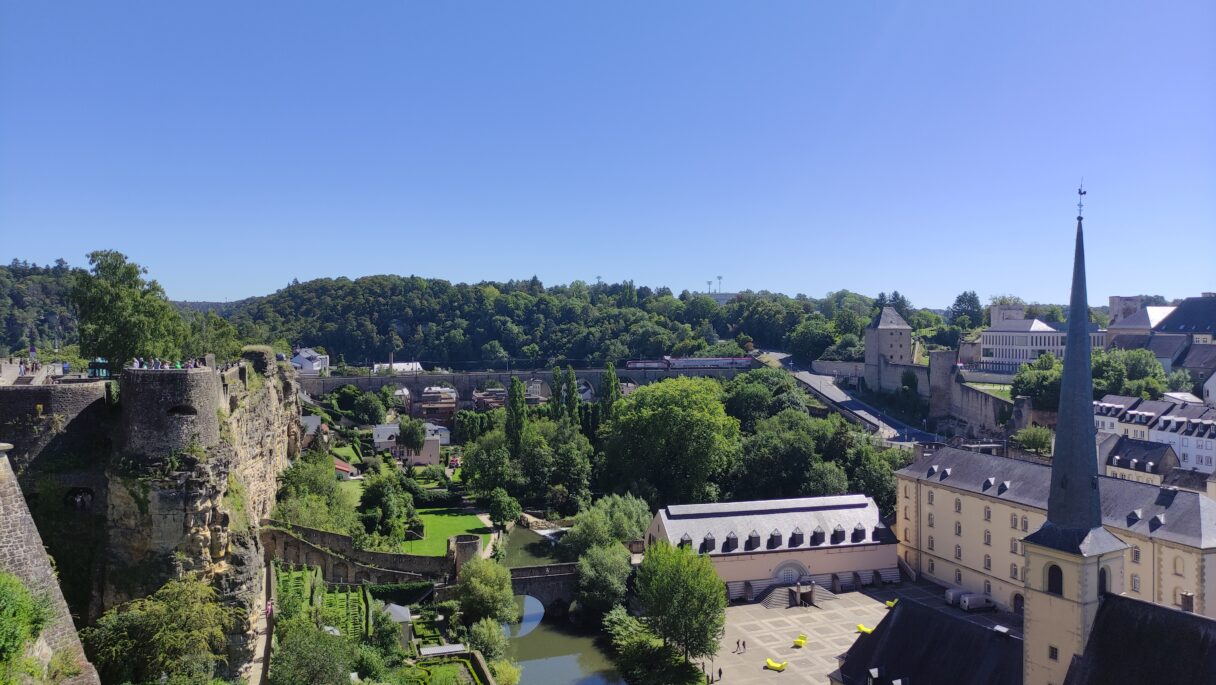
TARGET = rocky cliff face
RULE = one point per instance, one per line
(189, 499)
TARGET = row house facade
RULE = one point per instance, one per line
(1190, 429)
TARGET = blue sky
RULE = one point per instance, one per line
(791, 146)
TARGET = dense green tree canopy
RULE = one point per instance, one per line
(671, 441)
(682, 598)
(484, 591)
(602, 574)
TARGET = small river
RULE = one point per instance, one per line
(552, 652)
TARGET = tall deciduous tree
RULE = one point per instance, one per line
(411, 434)
(122, 315)
(572, 398)
(517, 417)
(966, 304)
(503, 508)
(610, 390)
(484, 591)
(671, 440)
(683, 599)
(602, 573)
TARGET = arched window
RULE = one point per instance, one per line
(1013, 571)
(930, 497)
(958, 576)
(987, 562)
(930, 566)
(988, 587)
(958, 551)
(930, 519)
(930, 543)
(905, 489)
(988, 538)
(906, 517)
(1179, 566)
(958, 505)
(907, 538)
(1013, 545)
(1013, 521)
(1102, 583)
(1025, 524)
(987, 513)
(958, 529)
(1055, 580)
(1135, 554)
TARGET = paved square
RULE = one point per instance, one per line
(831, 629)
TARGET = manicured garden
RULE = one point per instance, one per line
(441, 524)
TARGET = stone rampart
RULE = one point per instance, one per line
(22, 554)
(169, 411)
(334, 552)
(983, 412)
(839, 369)
(54, 423)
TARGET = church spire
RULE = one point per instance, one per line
(1074, 507)
(1073, 503)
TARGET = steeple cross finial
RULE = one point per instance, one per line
(1080, 194)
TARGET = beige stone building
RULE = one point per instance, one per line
(837, 542)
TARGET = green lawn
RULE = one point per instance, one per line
(347, 454)
(442, 524)
(998, 389)
(354, 487)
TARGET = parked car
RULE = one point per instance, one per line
(975, 601)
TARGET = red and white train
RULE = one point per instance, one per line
(668, 363)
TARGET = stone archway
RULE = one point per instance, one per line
(789, 572)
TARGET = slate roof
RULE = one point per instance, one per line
(310, 423)
(1192, 315)
(1188, 479)
(1200, 360)
(1140, 455)
(888, 318)
(1128, 341)
(1186, 518)
(801, 523)
(385, 432)
(1134, 642)
(1168, 345)
(922, 644)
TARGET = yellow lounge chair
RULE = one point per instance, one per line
(891, 603)
(800, 641)
(775, 665)
(861, 628)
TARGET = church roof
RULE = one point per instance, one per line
(1134, 642)
(1186, 518)
(918, 643)
(888, 318)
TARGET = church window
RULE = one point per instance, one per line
(1055, 580)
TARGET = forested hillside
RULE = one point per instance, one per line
(468, 326)
(34, 307)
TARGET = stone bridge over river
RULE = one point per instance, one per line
(466, 382)
(553, 585)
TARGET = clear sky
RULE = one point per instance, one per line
(790, 146)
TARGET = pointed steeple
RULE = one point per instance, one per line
(1074, 509)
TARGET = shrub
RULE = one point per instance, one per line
(22, 617)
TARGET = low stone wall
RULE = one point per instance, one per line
(336, 552)
(850, 369)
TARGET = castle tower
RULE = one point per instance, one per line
(167, 412)
(1071, 561)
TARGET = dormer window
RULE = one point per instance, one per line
(796, 537)
(818, 536)
(686, 540)
(732, 542)
(774, 539)
(753, 540)
(838, 534)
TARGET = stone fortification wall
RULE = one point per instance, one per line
(889, 377)
(169, 411)
(330, 550)
(54, 423)
(839, 369)
(22, 554)
(200, 454)
(983, 412)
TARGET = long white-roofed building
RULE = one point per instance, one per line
(837, 542)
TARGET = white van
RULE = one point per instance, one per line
(954, 594)
(974, 601)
